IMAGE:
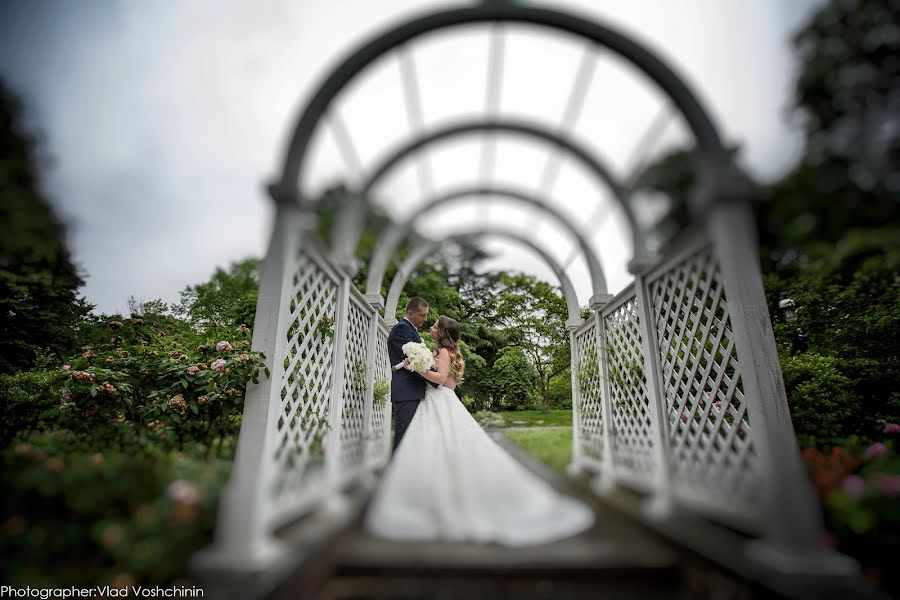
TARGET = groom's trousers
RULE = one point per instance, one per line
(403, 415)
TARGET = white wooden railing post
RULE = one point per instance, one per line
(606, 481)
(792, 521)
(243, 535)
(368, 479)
(576, 467)
(335, 502)
(660, 503)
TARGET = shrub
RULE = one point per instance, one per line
(487, 418)
(823, 407)
(27, 402)
(82, 518)
(149, 387)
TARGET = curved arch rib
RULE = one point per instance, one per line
(391, 239)
(697, 118)
(419, 254)
(523, 128)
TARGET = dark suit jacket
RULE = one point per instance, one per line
(405, 385)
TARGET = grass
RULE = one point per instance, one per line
(536, 418)
(551, 446)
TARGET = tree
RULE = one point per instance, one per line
(513, 380)
(227, 299)
(534, 314)
(39, 301)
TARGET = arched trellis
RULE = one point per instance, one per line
(723, 263)
(421, 252)
(535, 131)
(390, 240)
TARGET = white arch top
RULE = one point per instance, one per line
(419, 254)
(392, 237)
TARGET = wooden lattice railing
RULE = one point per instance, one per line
(696, 448)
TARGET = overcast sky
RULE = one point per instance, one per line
(166, 119)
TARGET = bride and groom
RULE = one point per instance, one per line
(448, 480)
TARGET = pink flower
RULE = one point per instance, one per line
(67, 395)
(193, 370)
(684, 416)
(66, 367)
(853, 485)
(184, 491)
(889, 485)
(892, 427)
(718, 404)
(223, 346)
(218, 364)
(876, 449)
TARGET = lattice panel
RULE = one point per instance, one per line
(354, 396)
(305, 387)
(709, 428)
(632, 439)
(590, 388)
(381, 414)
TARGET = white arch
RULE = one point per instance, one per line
(419, 254)
(391, 238)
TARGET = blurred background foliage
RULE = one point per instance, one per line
(117, 483)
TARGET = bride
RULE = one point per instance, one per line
(449, 481)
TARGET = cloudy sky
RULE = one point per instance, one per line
(166, 119)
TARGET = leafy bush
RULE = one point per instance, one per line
(77, 517)
(28, 400)
(148, 386)
(823, 407)
(487, 418)
(859, 488)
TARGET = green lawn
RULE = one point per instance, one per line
(551, 446)
(536, 418)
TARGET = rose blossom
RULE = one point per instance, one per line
(892, 427)
(193, 370)
(223, 346)
(876, 449)
(218, 364)
(853, 485)
(181, 490)
(66, 367)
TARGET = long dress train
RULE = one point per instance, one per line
(449, 481)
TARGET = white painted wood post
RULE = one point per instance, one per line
(243, 535)
(367, 478)
(334, 501)
(576, 467)
(606, 482)
(792, 520)
(660, 504)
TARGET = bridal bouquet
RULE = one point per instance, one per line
(420, 358)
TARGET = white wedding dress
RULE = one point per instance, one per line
(449, 481)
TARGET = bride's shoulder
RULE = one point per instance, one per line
(442, 351)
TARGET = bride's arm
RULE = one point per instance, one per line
(443, 368)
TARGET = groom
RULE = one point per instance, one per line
(407, 387)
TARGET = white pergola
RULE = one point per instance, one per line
(677, 387)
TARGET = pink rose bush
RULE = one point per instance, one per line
(859, 488)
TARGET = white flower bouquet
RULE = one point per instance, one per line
(420, 358)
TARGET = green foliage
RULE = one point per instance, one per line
(382, 391)
(824, 408)
(553, 447)
(39, 302)
(512, 381)
(27, 401)
(228, 299)
(534, 313)
(150, 387)
(83, 518)
(488, 418)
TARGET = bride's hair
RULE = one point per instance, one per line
(448, 334)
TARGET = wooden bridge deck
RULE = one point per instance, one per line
(620, 557)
